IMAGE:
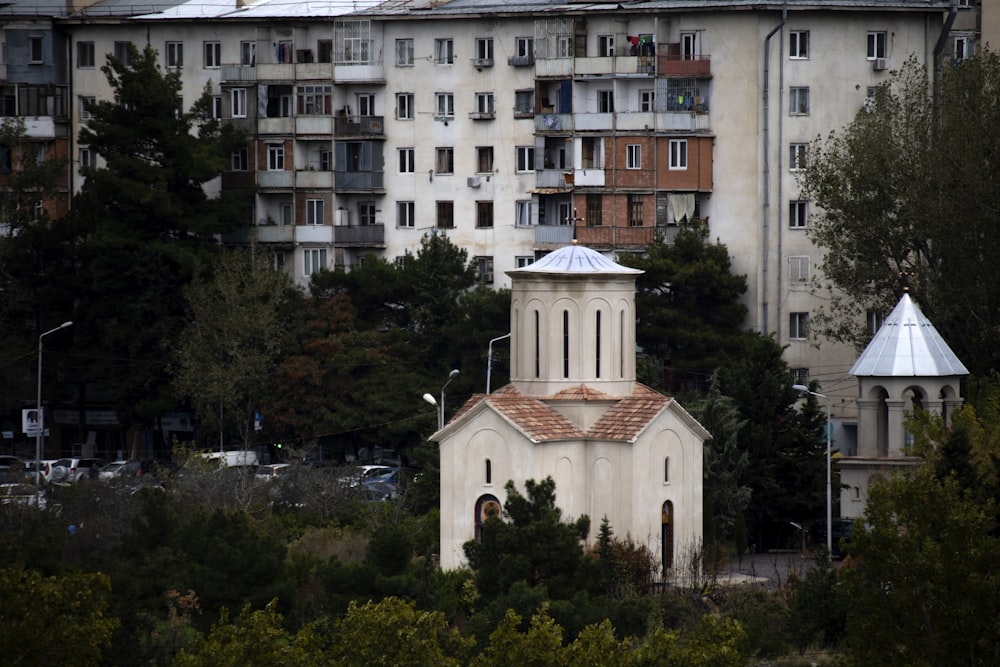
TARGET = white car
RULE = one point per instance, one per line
(69, 471)
(272, 471)
(25, 495)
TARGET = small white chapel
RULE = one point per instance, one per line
(573, 411)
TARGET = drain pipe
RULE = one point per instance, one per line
(766, 227)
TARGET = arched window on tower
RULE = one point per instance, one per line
(666, 470)
(565, 343)
(487, 507)
(489, 471)
(597, 346)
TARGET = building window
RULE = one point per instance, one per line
(315, 212)
(175, 55)
(666, 470)
(404, 106)
(277, 261)
(524, 159)
(240, 160)
(275, 157)
(484, 159)
(406, 160)
(797, 155)
(564, 46)
(445, 215)
(87, 158)
(444, 162)
(605, 46)
(248, 53)
(484, 103)
(484, 51)
(35, 50)
(285, 210)
(635, 210)
(444, 51)
(800, 376)
(484, 269)
(876, 45)
(798, 44)
(798, 269)
(798, 214)
(798, 326)
(678, 154)
(633, 156)
(522, 261)
(366, 104)
(689, 46)
(605, 101)
(366, 213)
(314, 260)
(874, 321)
(86, 104)
(239, 102)
(324, 51)
(524, 102)
(798, 100)
(595, 210)
(215, 110)
(444, 105)
(353, 42)
(524, 47)
(484, 214)
(123, 53)
(405, 214)
(315, 100)
(965, 47)
(404, 52)
(213, 55)
(84, 55)
(647, 100)
(523, 213)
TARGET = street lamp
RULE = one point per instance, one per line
(38, 406)
(829, 511)
(430, 399)
(489, 360)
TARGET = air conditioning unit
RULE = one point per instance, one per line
(488, 277)
(473, 182)
(880, 64)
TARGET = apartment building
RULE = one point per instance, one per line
(515, 128)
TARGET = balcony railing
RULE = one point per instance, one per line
(359, 235)
(239, 73)
(677, 65)
(553, 234)
(359, 126)
(608, 237)
(521, 61)
(358, 181)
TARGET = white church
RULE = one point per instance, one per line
(573, 411)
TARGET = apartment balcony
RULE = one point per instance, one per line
(358, 73)
(687, 121)
(235, 180)
(588, 177)
(275, 179)
(586, 122)
(482, 115)
(239, 236)
(559, 179)
(521, 61)
(314, 234)
(284, 126)
(615, 238)
(317, 126)
(626, 66)
(359, 181)
(360, 236)
(284, 234)
(275, 72)
(554, 67)
(313, 71)
(554, 122)
(236, 73)
(672, 65)
(553, 234)
(359, 126)
(309, 178)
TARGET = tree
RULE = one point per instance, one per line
(906, 199)
(687, 300)
(227, 354)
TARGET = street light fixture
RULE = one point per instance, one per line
(430, 399)
(829, 511)
(38, 406)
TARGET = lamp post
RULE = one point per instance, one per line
(829, 508)
(489, 360)
(430, 399)
(38, 406)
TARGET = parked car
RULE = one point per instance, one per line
(11, 469)
(272, 471)
(120, 468)
(22, 494)
(361, 474)
(69, 471)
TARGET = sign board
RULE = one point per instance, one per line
(31, 419)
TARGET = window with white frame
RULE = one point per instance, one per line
(366, 213)
(798, 269)
(87, 158)
(404, 52)
(523, 213)
(248, 50)
(444, 105)
(798, 214)
(798, 44)
(484, 268)
(325, 160)
(353, 42)
(445, 217)
(86, 103)
(85, 55)
(404, 106)
(240, 159)
(366, 104)
(524, 47)
(406, 214)
(524, 159)
(521, 261)
(877, 40)
(35, 51)
(484, 50)
(238, 96)
(444, 51)
(798, 326)
(212, 55)
(484, 159)
(605, 101)
(175, 55)
(678, 154)
(484, 214)
(444, 162)
(605, 46)
(647, 100)
(564, 46)
(797, 156)
(484, 103)
(690, 47)
(315, 100)
(215, 110)
(633, 156)
(406, 156)
(313, 260)
(275, 157)
(965, 47)
(798, 100)
(315, 212)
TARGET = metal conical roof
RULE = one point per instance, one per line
(906, 345)
(575, 259)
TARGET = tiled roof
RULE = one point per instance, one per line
(540, 422)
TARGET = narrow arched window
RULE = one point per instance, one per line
(597, 346)
(666, 470)
(489, 471)
(565, 343)
(538, 342)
